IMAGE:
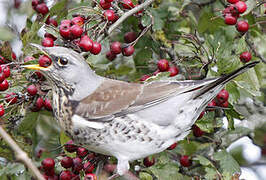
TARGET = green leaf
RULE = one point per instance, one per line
(59, 9)
(167, 171)
(227, 163)
(202, 160)
(206, 122)
(145, 176)
(145, 20)
(6, 50)
(142, 57)
(211, 173)
(6, 34)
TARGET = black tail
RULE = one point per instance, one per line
(226, 78)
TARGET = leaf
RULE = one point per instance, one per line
(12, 168)
(251, 4)
(6, 50)
(142, 57)
(52, 30)
(206, 122)
(59, 9)
(202, 160)
(145, 20)
(167, 171)
(6, 34)
(227, 163)
(145, 176)
(211, 173)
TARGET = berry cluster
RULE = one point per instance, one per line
(163, 66)
(73, 167)
(40, 7)
(232, 13)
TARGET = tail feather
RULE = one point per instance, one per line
(226, 78)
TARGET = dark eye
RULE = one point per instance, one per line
(62, 61)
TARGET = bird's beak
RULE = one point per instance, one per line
(35, 67)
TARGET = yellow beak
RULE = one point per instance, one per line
(35, 67)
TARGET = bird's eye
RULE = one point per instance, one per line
(62, 61)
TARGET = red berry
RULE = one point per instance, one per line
(82, 152)
(2, 60)
(163, 65)
(86, 43)
(104, 4)
(2, 77)
(173, 71)
(42, 8)
(110, 56)
(70, 147)
(128, 51)
(172, 146)
(65, 175)
(88, 167)
(222, 96)
(32, 90)
(185, 161)
(127, 4)
(245, 57)
(11, 98)
(197, 132)
(231, 10)
(76, 31)
(64, 30)
(66, 22)
(96, 48)
(48, 105)
(144, 77)
(109, 15)
(50, 173)
(115, 47)
(90, 177)
(51, 21)
(44, 61)
(201, 115)
(66, 162)
(4, 85)
(224, 105)
(6, 70)
(13, 55)
(232, 1)
(48, 164)
(241, 6)
(230, 20)
(78, 20)
(39, 103)
(2, 110)
(147, 161)
(77, 165)
(39, 75)
(109, 1)
(242, 26)
(34, 3)
(48, 35)
(130, 37)
(48, 42)
(212, 104)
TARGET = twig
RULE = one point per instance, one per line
(20, 154)
(253, 48)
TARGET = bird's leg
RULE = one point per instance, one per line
(113, 176)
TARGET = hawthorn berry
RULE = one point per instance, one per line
(222, 96)
(66, 22)
(11, 98)
(47, 104)
(90, 177)
(48, 42)
(197, 132)
(51, 21)
(212, 104)
(39, 75)
(110, 56)
(173, 146)
(144, 77)
(224, 105)
(88, 167)
(70, 147)
(232, 1)
(163, 65)
(64, 30)
(104, 4)
(34, 3)
(109, 15)
(65, 175)
(5, 70)
(185, 161)
(115, 47)
(76, 31)
(32, 90)
(245, 57)
(48, 164)
(241, 6)
(148, 161)
(130, 37)
(86, 43)
(96, 48)
(42, 8)
(39, 103)
(127, 4)
(48, 35)
(242, 26)
(77, 20)
(128, 51)
(50, 172)
(77, 165)
(230, 20)
(4, 85)
(2, 110)
(173, 71)
(44, 61)
(82, 152)
(2, 60)
(13, 55)
(66, 162)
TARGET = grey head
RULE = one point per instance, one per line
(68, 70)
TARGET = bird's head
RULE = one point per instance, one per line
(68, 68)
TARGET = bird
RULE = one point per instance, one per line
(126, 120)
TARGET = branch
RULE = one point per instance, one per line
(20, 154)
(127, 14)
(253, 48)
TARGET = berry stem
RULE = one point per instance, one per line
(253, 48)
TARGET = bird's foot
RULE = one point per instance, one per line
(113, 176)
